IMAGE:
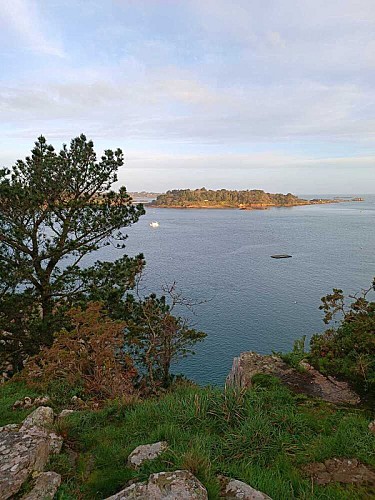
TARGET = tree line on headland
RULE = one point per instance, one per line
(224, 198)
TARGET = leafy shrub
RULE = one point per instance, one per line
(349, 348)
(89, 356)
(155, 338)
(298, 353)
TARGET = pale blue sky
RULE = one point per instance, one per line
(272, 94)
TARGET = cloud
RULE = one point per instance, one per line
(275, 39)
(272, 171)
(22, 17)
(323, 40)
(173, 109)
(140, 160)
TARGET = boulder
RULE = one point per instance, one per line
(177, 485)
(21, 454)
(309, 381)
(42, 418)
(237, 489)
(146, 452)
(26, 451)
(46, 486)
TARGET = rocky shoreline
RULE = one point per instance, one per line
(305, 380)
(257, 206)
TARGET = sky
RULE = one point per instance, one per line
(238, 94)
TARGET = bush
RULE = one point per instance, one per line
(347, 350)
(155, 338)
(89, 356)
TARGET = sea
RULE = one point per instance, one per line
(245, 300)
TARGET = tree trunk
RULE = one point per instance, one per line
(166, 374)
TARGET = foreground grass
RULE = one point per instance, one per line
(263, 437)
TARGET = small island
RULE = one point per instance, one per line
(254, 199)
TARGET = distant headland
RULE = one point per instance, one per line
(254, 199)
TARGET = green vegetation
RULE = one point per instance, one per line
(224, 198)
(56, 210)
(85, 331)
(263, 436)
(154, 337)
(348, 348)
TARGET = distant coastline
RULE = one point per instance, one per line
(230, 199)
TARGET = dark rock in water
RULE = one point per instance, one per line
(281, 256)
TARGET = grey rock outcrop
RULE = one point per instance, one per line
(45, 487)
(177, 485)
(309, 381)
(237, 489)
(371, 427)
(26, 451)
(42, 418)
(21, 454)
(146, 452)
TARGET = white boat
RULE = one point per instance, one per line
(154, 224)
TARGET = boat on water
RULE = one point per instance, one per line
(154, 223)
(281, 256)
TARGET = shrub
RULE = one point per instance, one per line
(349, 348)
(89, 356)
(156, 338)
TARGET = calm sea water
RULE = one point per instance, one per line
(255, 302)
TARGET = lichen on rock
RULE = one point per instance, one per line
(26, 451)
(177, 485)
(232, 489)
(146, 452)
(45, 487)
(42, 418)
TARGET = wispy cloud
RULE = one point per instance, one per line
(23, 18)
(234, 161)
(168, 109)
